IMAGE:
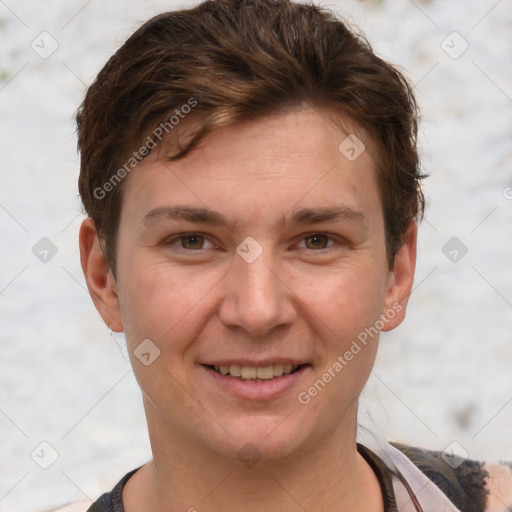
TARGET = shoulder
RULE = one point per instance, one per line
(472, 486)
(500, 486)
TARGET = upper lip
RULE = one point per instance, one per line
(252, 363)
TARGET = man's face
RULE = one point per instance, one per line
(279, 285)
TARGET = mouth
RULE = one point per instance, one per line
(256, 381)
(256, 373)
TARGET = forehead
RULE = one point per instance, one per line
(303, 157)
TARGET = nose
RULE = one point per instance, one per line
(257, 296)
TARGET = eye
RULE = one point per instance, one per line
(191, 242)
(317, 241)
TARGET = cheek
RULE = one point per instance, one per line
(347, 306)
(163, 302)
(347, 300)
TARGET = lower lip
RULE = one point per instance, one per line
(257, 389)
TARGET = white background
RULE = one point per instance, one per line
(443, 376)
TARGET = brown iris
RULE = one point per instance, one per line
(192, 241)
(318, 241)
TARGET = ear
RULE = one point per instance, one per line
(100, 281)
(400, 280)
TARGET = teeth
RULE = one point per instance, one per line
(265, 373)
(278, 370)
(248, 372)
(251, 372)
(235, 370)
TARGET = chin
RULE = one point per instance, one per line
(259, 440)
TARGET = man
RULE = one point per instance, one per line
(252, 184)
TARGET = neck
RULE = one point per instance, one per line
(330, 475)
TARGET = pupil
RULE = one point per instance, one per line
(315, 239)
(194, 240)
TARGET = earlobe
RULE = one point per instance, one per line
(401, 279)
(100, 281)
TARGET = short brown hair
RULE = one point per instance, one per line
(239, 60)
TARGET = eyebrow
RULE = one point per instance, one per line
(200, 215)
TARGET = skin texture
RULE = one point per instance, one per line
(304, 299)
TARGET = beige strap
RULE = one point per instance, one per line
(414, 492)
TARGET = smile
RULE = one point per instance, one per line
(255, 373)
(260, 381)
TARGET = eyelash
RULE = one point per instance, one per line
(170, 241)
